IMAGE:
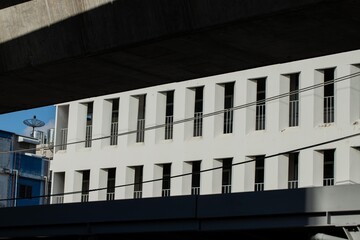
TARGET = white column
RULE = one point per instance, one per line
(236, 178)
(186, 110)
(133, 108)
(160, 110)
(101, 123)
(177, 168)
(347, 164)
(276, 172)
(284, 102)
(94, 184)
(102, 183)
(213, 101)
(151, 117)
(246, 172)
(120, 180)
(156, 186)
(311, 101)
(251, 110)
(76, 130)
(211, 181)
(273, 107)
(311, 172)
(129, 180)
(186, 180)
(127, 120)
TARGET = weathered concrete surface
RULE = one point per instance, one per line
(54, 51)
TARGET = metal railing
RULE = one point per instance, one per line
(260, 117)
(328, 181)
(198, 124)
(259, 187)
(169, 126)
(329, 109)
(137, 194)
(140, 134)
(165, 193)
(294, 113)
(110, 196)
(228, 121)
(63, 138)
(226, 189)
(292, 184)
(114, 133)
(88, 135)
(58, 199)
(195, 191)
(84, 197)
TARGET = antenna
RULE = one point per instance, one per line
(33, 122)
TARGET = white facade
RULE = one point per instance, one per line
(324, 114)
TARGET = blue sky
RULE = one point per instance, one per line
(13, 122)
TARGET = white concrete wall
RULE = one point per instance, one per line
(241, 145)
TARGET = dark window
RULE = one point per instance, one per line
(25, 191)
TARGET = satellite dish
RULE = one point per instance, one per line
(33, 122)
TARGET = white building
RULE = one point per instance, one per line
(221, 141)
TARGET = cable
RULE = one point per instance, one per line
(340, 79)
(187, 174)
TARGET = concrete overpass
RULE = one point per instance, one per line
(54, 51)
(278, 214)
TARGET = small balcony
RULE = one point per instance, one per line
(58, 199)
(292, 184)
(110, 196)
(63, 138)
(165, 193)
(195, 191)
(329, 109)
(88, 136)
(138, 194)
(169, 126)
(198, 124)
(259, 187)
(226, 189)
(328, 181)
(294, 113)
(84, 197)
(140, 134)
(114, 133)
(228, 121)
(260, 117)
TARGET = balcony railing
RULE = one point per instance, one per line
(88, 135)
(198, 124)
(140, 134)
(329, 109)
(165, 193)
(260, 117)
(114, 133)
(169, 125)
(292, 184)
(294, 113)
(226, 189)
(58, 199)
(84, 197)
(328, 181)
(63, 138)
(138, 194)
(228, 121)
(195, 191)
(110, 196)
(259, 187)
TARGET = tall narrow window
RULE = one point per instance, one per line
(62, 126)
(138, 179)
(114, 122)
(169, 115)
(110, 194)
(228, 105)
(140, 136)
(198, 113)
(89, 121)
(260, 103)
(328, 167)
(259, 173)
(226, 175)
(293, 170)
(329, 95)
(85, 186)
(166, 180)
(294, 100)
(195, 178)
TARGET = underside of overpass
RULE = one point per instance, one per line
(53, 52)
(297, 214)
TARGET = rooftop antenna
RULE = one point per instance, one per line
(33, 122)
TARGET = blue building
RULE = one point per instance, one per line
(23, 174)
